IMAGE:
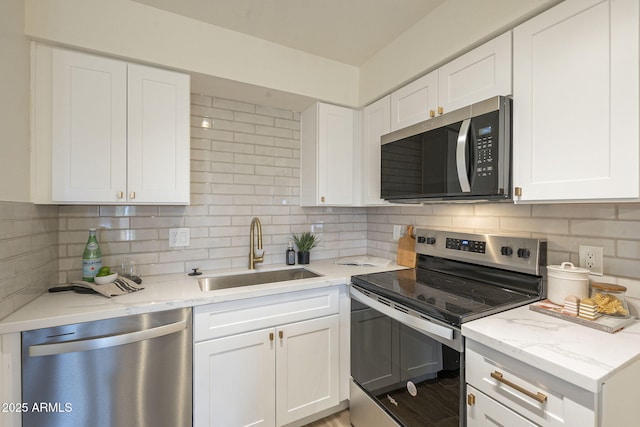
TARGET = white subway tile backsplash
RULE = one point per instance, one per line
(247, 165)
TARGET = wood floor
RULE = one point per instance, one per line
(340, 419)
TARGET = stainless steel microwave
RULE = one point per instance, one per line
(458, 156)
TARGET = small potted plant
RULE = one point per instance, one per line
(305, 242)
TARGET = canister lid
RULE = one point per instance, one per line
(569, 268)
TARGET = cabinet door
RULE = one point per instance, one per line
(576, 102)
(327, 144)
(307, 368)
(88, 128)
(414, 102)
(234, 380)
(475, 76)
(336, 134)
(482, 411)
(158, 136)
(376, 121)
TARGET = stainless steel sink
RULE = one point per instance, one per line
(247, 279)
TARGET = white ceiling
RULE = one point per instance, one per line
(348, 31)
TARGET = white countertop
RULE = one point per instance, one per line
(581, 355)
(166, 292)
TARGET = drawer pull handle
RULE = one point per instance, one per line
(471, 399)
(280, 334)
(540, 397)
(270, 336)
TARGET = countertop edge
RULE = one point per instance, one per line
(167, 292)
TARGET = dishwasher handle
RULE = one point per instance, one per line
(105, 342)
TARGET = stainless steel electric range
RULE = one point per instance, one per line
(407, 352)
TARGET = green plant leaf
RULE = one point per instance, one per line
(305, 241)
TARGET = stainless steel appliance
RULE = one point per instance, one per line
(461, 155)
(407, 351)
(127, 371)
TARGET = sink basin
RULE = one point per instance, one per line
(247, 279)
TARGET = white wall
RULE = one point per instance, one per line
(132, 30)
(14, 103)
(450, 30)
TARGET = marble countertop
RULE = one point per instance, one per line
(165, 292)
(581, 355)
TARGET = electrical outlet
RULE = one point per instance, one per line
(397, 232)
(591, 257)
(179, 237)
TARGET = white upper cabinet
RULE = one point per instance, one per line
(328, 140)
(479, 74)
(375, 123)
(576, 100)
(88, 127)
(414, 102)
(158, 137)
(108, 132)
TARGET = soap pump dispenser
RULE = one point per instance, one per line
(291, 254)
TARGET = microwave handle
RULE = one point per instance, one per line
(461, 156)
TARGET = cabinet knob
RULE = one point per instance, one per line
(440, 110)
(280, 334)
(471, 399)
(432, 113)
(271, 336)
(321, 199)
(120, 194)
(132, 195)
(517, 191)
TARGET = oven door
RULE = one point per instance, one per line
(403, 375)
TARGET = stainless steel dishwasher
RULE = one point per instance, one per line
(127, 371)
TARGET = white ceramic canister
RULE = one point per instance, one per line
(566, 279)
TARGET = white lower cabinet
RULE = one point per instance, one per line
(234, 380)
(484, 411)
(269, 376)
(504, 391)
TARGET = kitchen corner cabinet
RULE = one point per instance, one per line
(108, 132)
(479, 74)
(576, 103)
(267, 361)
(328, 140)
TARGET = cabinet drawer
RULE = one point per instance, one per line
(484, 411)
(233, 317)
(518, 385)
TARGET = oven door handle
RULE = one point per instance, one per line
(425, 326)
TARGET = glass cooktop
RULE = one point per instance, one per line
(450, 298)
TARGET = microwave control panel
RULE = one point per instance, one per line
(484, 150)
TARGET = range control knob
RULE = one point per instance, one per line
(431, 240)
(524, 253)
(421, 239)
(506, 251)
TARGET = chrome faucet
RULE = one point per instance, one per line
(253, 258)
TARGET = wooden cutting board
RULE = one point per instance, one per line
(407, 249)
